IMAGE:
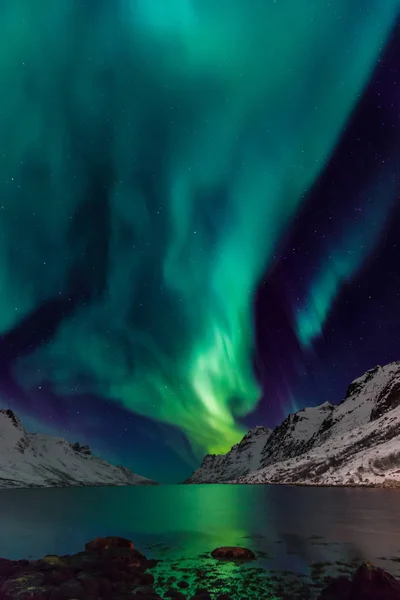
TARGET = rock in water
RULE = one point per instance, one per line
(233, 553)
(368, 583)
(372, 583)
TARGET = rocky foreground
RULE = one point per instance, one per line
(112, 569)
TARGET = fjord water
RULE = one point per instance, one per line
(292, 527)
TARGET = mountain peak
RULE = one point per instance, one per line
(7, 412)
(242, 458)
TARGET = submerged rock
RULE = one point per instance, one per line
(233, 553)
(175, 595)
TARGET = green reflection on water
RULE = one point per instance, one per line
(238, 581)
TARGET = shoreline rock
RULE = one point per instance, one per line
(108, 569)
(368, 583)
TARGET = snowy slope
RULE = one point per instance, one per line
(356, 442)
(32, 460)
(243, 458)
(368, 454)
(296, 433)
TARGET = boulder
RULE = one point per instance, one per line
(235, 553)
(53, 559)
(106, 543)
(108, 568)
(370, 583)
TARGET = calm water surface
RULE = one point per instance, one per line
(291, 528)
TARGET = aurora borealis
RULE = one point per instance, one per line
(345, 254)
(160, 161)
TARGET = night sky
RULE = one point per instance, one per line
(199, 219)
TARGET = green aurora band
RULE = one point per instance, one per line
(345, 255)
(204, 123)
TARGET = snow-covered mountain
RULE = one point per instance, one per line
(295, 434)
(33, 460)
(242, 459)
(356, 442)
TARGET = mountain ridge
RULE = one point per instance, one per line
(355, 442)
(36, 460)
(242, 458)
